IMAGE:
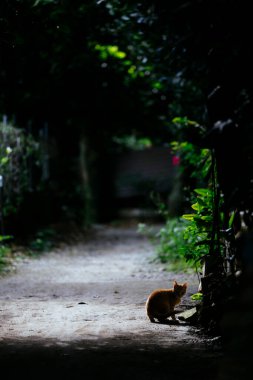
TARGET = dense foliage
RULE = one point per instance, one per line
(19, 154)
(89, 75)
(96, 75)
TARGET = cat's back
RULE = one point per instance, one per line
(159, 296)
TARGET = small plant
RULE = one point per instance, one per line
(188, 238)
(132, 142)
(43, 241)
(199, 229)
(18, 150)
(4, 238)
(197, 296)
(4, 251)
(147, 231)
(195, 163)
(169, 244)
(171, 240)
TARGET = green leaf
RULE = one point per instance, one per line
(132, 71)
(183, 121)
(197, 207)
(188, 216)
(197, 296)
(112, 49)
(6, 237)
(120, 54)
(207, 218)
(231, 219)
(179, 120)
(157, 85)
(127, 63)
(4, 160)
(203, 192)
(43, 2)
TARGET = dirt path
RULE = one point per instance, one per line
(78, 312)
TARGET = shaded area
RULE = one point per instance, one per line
(113, 358)
(79, 311)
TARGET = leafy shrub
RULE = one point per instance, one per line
(19, 153)
(43, 240)
(171, 241)
(199, 229)
(4, 251)
(197, 296)
(188, 239)
(170, 245)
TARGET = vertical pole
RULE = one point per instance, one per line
(1, 206)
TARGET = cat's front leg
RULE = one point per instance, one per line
(173, 317)
(151, 318)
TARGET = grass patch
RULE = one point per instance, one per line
(44, 240)
(12, 251)
(6, 258)
(170, 245)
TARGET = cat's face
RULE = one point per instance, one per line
(180, 289)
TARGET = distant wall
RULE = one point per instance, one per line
(137, 173)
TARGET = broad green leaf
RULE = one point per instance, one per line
(231, 219)
(4, 160)
(132, 71)
(184, 121)
(197, 296)
(179, 120)
(188, 216)
(203, 192)
(127, 63)
(112, 49)
(103, 55)
(207, 218)
(120, 54)
(197, 207)
(43, 2)
(157, 85)
(6, 237)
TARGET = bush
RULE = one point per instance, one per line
(19, 153)
(170, 245)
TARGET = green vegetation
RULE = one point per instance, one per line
(198, 232)
(44, 240)
(97, 77)
(170, 244)
(109, 50)
(4, 252)
(19, 155)
(197, 297)
(184, 241)
(131, 142)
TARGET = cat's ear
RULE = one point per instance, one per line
(185, 285)
(175, 283)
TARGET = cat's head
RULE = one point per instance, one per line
(180, 289)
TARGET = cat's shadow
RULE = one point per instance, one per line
(171, 322)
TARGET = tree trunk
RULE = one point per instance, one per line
(86, 191)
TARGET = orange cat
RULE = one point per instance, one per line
(161, 302)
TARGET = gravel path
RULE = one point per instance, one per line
(79, 312)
